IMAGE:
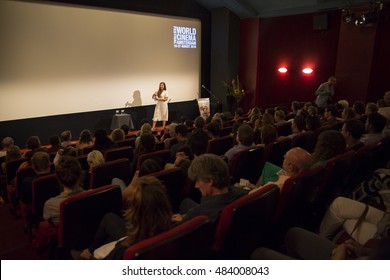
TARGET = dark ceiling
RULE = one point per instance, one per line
(274, 8)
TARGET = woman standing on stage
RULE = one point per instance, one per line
(161, 110)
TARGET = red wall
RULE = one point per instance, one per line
(292, 42)
(358, 56)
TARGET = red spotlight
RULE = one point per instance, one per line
(282, 69)
(307, 70)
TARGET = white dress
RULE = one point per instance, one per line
(161, 109)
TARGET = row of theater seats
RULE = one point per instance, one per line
(259, 219)
(244, 224)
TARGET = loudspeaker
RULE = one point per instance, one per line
(320, 21)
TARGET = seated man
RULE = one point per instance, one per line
(375, 123)
(352, 131)
(245, 137)
(40, 162)
(69, 175)
(295, 161)
(211, 176)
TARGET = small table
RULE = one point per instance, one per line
(120, 119)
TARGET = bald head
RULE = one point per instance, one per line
(296, 160)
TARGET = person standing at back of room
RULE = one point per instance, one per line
(325, 92)
(161, 109)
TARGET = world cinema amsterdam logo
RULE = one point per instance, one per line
(184, 37)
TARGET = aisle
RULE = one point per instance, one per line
(14, 243)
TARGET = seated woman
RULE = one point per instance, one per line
(330, 143)
(148, 214)
(85, 140)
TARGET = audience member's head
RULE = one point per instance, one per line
(198, 141)
(375, 123)
(296, 160)
(199, 122)
(117, 135)
(66, 136)
(358, 108)
(33, 143)
(69, 172)
(312, 110)
(95, 158)
(269, 134)
(267, 119)
(147, 142)
(146, 128)
(330, 143)
(298, 124)
(13, 153)
(7, 142)
(344, 103)
(40, 161)
(279, 116)
(245, 135)
(210, 170)
(347, 114)
(353, 128)
(149, 166)
(295, 106)
(143, 121)
(55, 141)
(213, 129)
(181, 131)
(330, 112)
(149, 210)
(371, 108)
(172, 130)
(85, 137)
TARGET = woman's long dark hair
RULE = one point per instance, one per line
(161, 90)
(149, 211)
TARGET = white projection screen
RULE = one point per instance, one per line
(60, 59)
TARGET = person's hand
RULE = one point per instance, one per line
(177, 217)
(339, 253)
(354, 248)
(180, 156)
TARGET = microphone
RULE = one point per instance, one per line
(203, 86)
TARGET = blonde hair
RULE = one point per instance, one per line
(95, 158)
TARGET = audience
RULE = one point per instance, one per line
(181, 131)
(211, 176)
(66, 138)
(375, 123)
(148, 214)
(69, 175)
(102, 141)
(295, 161)
(344, 213)
(352, 131)
(117, 135)
(330, 143)
(40, 162)
(85, 140)
(245, 138)
(55, 144)
(6, 143)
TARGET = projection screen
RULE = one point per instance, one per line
(60, 59)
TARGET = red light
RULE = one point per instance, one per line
(307, 70)
(282, 70)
